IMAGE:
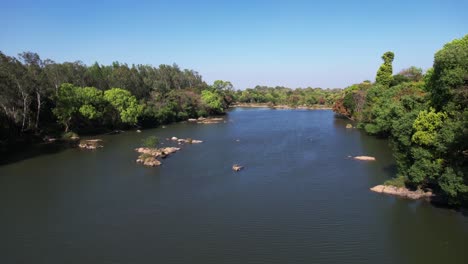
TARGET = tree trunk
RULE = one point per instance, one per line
(25, 108)
(39, 104)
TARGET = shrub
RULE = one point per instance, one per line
(399, 182)
(150, 142)
(70, 135)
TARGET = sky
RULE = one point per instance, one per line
(328, 44)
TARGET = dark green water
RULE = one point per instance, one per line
(299, 200)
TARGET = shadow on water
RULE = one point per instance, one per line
(22, 152)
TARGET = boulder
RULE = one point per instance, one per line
(349, 126)
(192, 120)
(366, 158)
(138, 131)
(174, 138)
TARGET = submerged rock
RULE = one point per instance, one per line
(402, 192)
(90, 144)
(366, 158)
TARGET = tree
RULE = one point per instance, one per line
(66, 104)
(212, 101)
(449, 80)
(125, 104)
(385, 72)
(222, 85)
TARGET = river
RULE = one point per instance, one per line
(298, 200)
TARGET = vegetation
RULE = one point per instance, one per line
(385, 72)
(285, 96)
(150, 142)
(425, 116)
(41, 97)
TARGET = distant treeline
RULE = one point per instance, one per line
(286, 96)
(425, 116)
(41, 97)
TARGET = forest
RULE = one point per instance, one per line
(43, 98)
(425, 118)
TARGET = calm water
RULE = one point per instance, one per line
(299, 200)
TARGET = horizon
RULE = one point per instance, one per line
(266, 43)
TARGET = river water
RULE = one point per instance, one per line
(298, 200)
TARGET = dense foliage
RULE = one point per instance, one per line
(385, 72)
(39, 97)
(286, 96)
(424, 116)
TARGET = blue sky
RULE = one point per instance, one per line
(248, 42)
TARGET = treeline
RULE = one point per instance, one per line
(39, 97)
(425, 116)
(286, 96)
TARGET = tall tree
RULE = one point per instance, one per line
(385, 72)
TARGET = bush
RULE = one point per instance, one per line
(150, 142)
(399, 182)
(70, 136)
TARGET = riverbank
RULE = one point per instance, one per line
(268, 105)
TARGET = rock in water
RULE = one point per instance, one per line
(367, 158)
(402, 192)
(237, 167)
(90, 144)
(349, 126)
(147, 160)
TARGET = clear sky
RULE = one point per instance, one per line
(248, 42)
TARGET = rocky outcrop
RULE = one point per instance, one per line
(90, 144)
(402, 192)
(149, 156)
(148, 160)
(365, 158)
(237, 167)
(211, 120)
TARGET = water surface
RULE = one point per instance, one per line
(299, 200)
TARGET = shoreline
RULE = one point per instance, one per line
(266, 105)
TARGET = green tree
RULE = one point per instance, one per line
(385, 72)
(448, 83)
(125, 104)
(66, 104)
(212, 101)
